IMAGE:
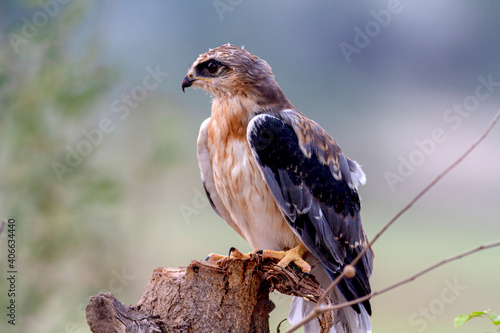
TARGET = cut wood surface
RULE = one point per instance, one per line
(231, 295)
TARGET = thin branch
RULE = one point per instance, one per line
(411, 278)
(315, 312)
(319, 310)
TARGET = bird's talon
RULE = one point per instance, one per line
(235, 253)
(214, 257)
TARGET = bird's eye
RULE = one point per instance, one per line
(212, 67)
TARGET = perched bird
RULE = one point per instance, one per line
(280, 180)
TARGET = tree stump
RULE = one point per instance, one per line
(231, 295)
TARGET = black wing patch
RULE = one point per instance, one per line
(322, 211)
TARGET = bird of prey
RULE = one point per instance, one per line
(280, 180)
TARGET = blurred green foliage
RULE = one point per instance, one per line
(43, 92)
(71, 218)
(463, 318)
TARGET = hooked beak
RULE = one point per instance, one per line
(187, 82)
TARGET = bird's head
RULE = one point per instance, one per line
(229, 70)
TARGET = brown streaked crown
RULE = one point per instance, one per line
(229, 70)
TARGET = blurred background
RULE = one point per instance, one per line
(98, 158)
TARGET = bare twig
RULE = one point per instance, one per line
(318, 309)
(411, 278)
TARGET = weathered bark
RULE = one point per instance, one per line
(231, 295)
(106, 314)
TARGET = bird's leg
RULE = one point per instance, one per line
(286, 257)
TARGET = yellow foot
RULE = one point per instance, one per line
(286, 257)
(233, 253)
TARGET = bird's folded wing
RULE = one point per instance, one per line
(207, 177)
(312, 183)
